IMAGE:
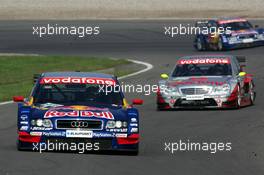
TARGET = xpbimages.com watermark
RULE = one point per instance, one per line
(145, 89)
(189, 29)
(80, 147)
(79, 31)
(188, 146)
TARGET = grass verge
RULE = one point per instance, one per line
(16, 72)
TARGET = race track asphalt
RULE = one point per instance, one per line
(145, 41)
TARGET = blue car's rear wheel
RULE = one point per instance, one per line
(19, 145)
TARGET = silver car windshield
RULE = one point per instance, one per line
(185, 70)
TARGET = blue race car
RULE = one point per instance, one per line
(228, 33)
(77, 111)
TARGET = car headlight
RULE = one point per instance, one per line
(41, 122)
(171, 91)
(47, 123)
(233, 38)
(124, 124)
(116, 124)
(261, 36)
(224, 89)
(110, 124)
(33, 122)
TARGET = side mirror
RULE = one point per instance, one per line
(256, 26)
(242, 74)
(137, 102)
(18, 99)
(242, 68)
(164, 76)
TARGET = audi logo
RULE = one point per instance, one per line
(79, 124)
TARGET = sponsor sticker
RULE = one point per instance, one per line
(25, 111)
(96, 134)
(117, 130)
(74, 113)
(231, 21)
(134, 124)
(77, 80)
(219, 102)
(54, 134)
(172, 101)
(24, 117)
(194, 97)
(24, 122)
(204, 61)
(40, 128)
(36, 133)
(199, 82)
(79, 134)
(23, 128)
(134, 130)
(248, 40)
(133, 119)
(132, 113)
(120, 135)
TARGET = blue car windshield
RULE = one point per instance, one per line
(238, 25)
(185, 70)
(76, 94)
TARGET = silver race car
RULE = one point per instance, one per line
(212, 81)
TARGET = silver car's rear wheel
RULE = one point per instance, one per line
(251, 93)
(238, 102)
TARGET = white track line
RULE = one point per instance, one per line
(5, 103)
(148, 67)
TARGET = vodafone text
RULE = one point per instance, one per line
(77, 80)
(204, 61)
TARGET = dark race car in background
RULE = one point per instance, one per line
(238, 33)
(72, 108)
(206, 82)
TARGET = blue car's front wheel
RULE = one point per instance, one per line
(199, 44)
(220, 45)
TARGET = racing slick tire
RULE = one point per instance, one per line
(19, 146)
(220, 46)
(252, 93)
(238, 99)
(133, 153)
(127, 153)
(199, 44)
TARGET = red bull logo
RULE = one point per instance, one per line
(74, 113)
